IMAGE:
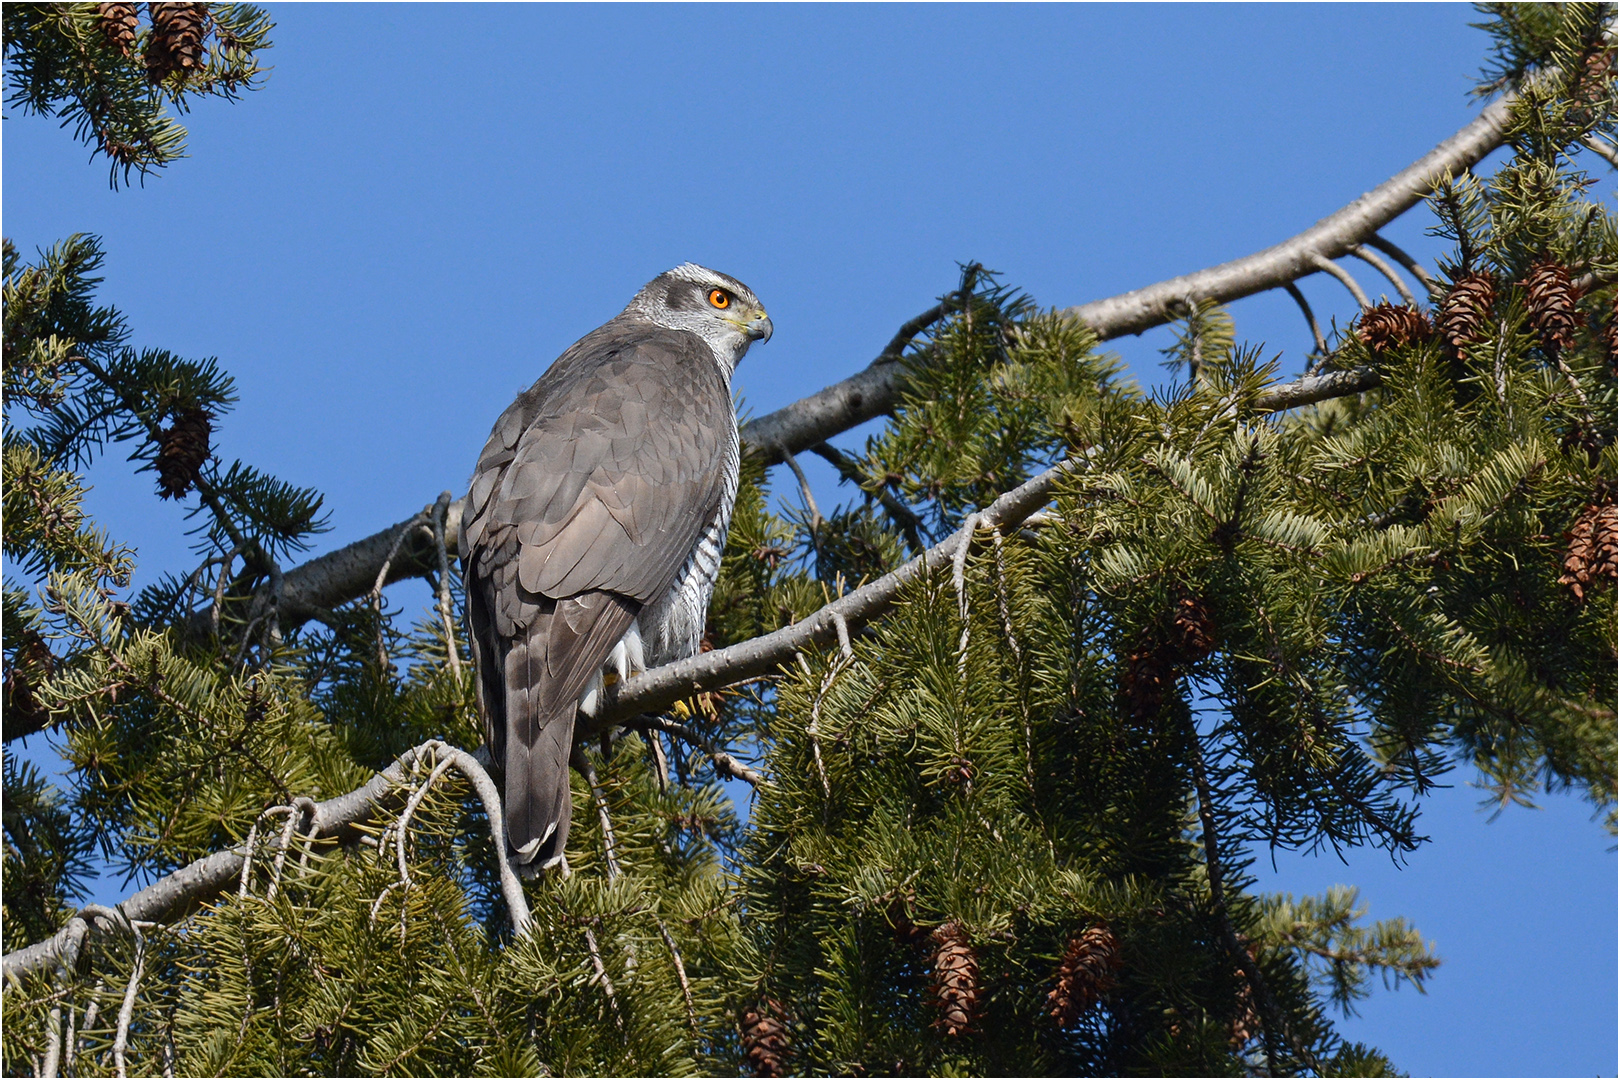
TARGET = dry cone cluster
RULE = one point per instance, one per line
(1550, 299)
(1390, 326)
(1466, 311)
(118, 24)
(764, 1039)
(176, 41)
(1085, 975)
(182, 449)
(1591, 554)
(955, 980)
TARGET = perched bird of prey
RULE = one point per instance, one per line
(594, 527)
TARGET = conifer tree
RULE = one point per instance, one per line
(1016, 718)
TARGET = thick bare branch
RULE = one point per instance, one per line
(179, 893)
(339, 576)
(1329, 238)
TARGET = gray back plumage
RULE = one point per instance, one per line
(589, 497)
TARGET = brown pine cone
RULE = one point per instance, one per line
(176, 41)
(32, 663)
(1465, 310)
(1085, 975)
(955, 980)
(1550, 299)
(118, 24)
(1193, 631)
(765, 1039)
(1387, 326)
(1592, 549)
(182, 449)
(1148, 677)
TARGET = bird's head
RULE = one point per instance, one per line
(716, 307)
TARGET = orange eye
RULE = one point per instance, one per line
(720, 298)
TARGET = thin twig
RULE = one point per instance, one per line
(723, 762)
(53, 1043)
(609, 843)
(1412, 266)
(281, 853)
(402, 828)
(1328, 266)
(441, 514)
(251, 844)
(91, 1012)
(680, 973)
(903, 516)
(419, 520)
(1360, 251)
(602, 977)
(970, 525)
(127, 1012)
(1310, 320)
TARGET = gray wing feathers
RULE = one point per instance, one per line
(593, 489)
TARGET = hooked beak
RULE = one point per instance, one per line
(759, 327)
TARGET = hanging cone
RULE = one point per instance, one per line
(182, 449)
(1193, 634)
(1592, 549)
(764, 1039)
(176, 41)
(1465, 311)
(32, 663)
(955, 980)
(1085, 975)
(1148, 677)
(1390, 326)
(118, 23)
(1550, 299)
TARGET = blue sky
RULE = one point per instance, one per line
(426, 204)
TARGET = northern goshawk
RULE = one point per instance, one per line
(594, 527)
